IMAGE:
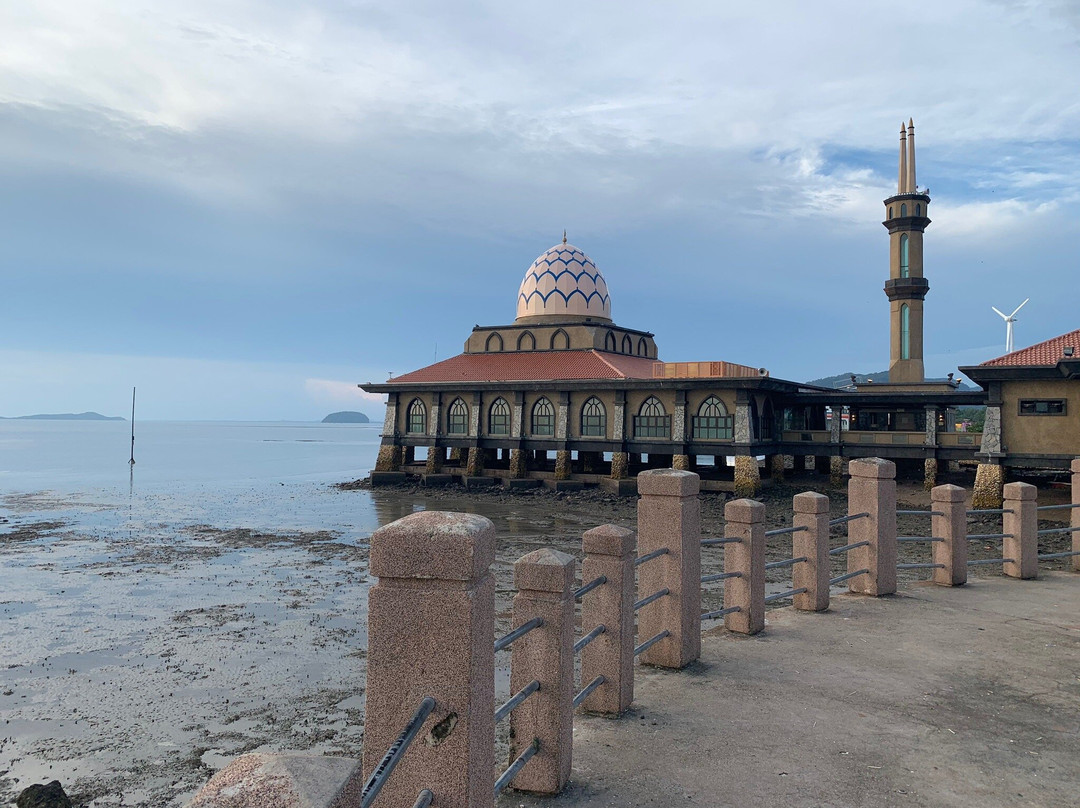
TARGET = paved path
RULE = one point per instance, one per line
(933, 697)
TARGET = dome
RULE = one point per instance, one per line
(561, 284)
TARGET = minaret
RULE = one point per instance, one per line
(906, 288)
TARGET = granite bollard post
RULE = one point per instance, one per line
(812, 512)
(669, 515)
(609, 552)
(1020, 524)
(1075, 522)
(872, 490)
(431, 628)
(745, 521)
(949, 524)
(545, 582)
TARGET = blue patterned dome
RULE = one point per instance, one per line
(561, 283)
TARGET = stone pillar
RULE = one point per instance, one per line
(545, 582)
(390, 458)
(951, 527)
(680, 462)
(989, 480)
(619, 463)
(518, 467)
(609, 552)
(669, 515)
(434, 425)
(679, 419)
(809, 463)
(474, 466)
(836, 425)
(431, 621)
(744, 429)
(474, 415)
(745, 520)
(562, 464)
(1075, 522)
(930, 469)
(836, 471)
(1021, 526)
(562, 420)
(872, 489)
(747, 476)
(776, 468)
(436, 455)
(390, 420)
(811, 512)
(618, 423)
(991, 434)
(517, 416)
(930, 438)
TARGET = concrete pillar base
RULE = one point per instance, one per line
(562, 465)
(930, 469)
(435, 458)
(519, 469)
(989, 482)
(747, 477)
(776, 468)
(475, 464)
(680, 462)
(836, 471)
(389, 458)
(619, 465)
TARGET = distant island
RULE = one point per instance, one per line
(66, 416)
(346, 417)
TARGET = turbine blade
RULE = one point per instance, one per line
(1003, 315)
(1019, 307)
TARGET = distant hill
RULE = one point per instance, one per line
(882, 376)
(346, 417)
(67, 416)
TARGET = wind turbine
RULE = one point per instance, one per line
(1009, 320)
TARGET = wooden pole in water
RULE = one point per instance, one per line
(132, 460)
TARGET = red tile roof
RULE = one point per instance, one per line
(532, 366)
(1047, 353)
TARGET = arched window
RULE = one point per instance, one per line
(903, 210)
(918, 210)
(494, 342)
(890, 211)
(642, 347)
(609, 343)
(527, 342)
(651, 422)
(627, 344)
(905, 269)
(905, 332)
(457, 418)
(499, 417)
(416, 419)
(593, 419)
(560, 341)
(712, 421)
(543, 418)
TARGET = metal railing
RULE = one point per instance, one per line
(919, 513)
(590, 586)
(517, 699)
(841, 578)
(721, 612)
(988, 510)
(393, 755)
(589, 688)
(720, 576)
(846, 547)
(650, 556)
(588, 638)
(1050, 556)
(787, 562)
(988, 536)
(1057, 507)
(1050, 530)
(978, 561)
(649, 643)
(842, 519)
(516, 766)
(780, 531)
(918, 538)
(915, 566)
(518, 633)
(781, 595)
(423, 799)
(717, 542)
(654, 596)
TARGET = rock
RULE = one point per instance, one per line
(47, 796)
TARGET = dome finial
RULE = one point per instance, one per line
(564, 235)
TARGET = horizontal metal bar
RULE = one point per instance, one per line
(839, 578)
(589, 688)
(1058, 507)
(715, 542)
(651, 598)
(846, 547)
(651, 556)
(1058, 530)
(780, 531)
(394, 754)
(519, 697)
(1048, 556)
(649, 643)
(920, 566)
(516, 766)
(782, 595)
(721, 612)
(840, 520)
(988, 510)
(423, 799)
(518, 633)
(991, 561)
(918, 538)
(980, 536)
(720, 576)
(919, 513)
(588, 638)
(787, 562)
(590, 586)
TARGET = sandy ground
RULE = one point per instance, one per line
(135, 663)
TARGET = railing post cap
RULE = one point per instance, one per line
(873, 468)
(434, 544)
(947, 493)
(810, 502)
(1020, 491)
(744, 510)
(609, 540)
(545, 570)
(1075, 465)
(668, 483)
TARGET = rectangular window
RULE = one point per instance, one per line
(543, 425)
(458, 424)
(652, 426)
(593, 426)
(1051, 406)
(708, 427)
(499, 424)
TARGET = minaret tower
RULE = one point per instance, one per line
(906, 288)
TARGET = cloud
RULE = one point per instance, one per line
(327, 390)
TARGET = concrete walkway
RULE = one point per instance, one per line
(933, 697)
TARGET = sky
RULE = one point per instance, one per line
(246, 208)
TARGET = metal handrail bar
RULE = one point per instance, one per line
(782, 595)
(780, 531)
(654, 596)
(991, 561)
(920, 566)
(919, 538)
(650, 556)
(589, 688)
(518, 697)
(919, 513)
(393, 755)
(1057, 507)
(720, 576)
(1048, 556)
(787, 562)
(423, 799)
(721, 612)
(841, 519)
(716, 542)
(516, 766)
(1058, 530)
(518, 633)
(590, 586)
(839, 578)
(649, 643)
(846, 547)
(988, 510)
(979, 536)
(588, 638)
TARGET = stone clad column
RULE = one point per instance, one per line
(1021, 527)
(747, 474)
(431, 624)
(434, 425)
(562, 421)
(609, 552)
(989, 477)
(745, 520)
(1075, 521)
(872, 489)
(669, 515)
(517, 417)
(618, 421)
(389, 429)
(545, 582)
(812, 512)
(951, 527)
